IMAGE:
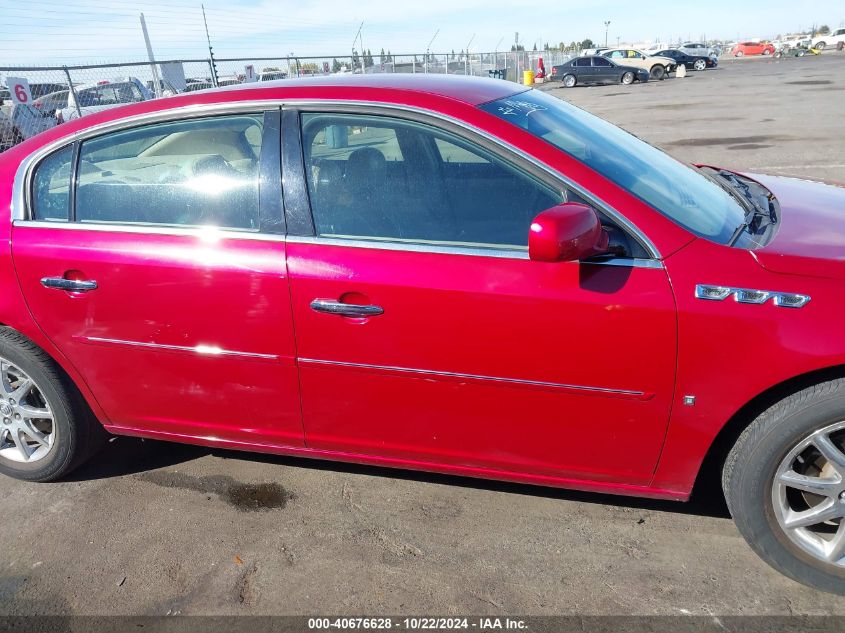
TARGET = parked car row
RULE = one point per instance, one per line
(627, 65)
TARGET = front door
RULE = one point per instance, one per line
(426, 335)
(156, 277)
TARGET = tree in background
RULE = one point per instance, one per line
(381, 58)
(824, 29)
(587, 43)
(336, 66)
(356, 61)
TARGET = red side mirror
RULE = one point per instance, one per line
(566, 232)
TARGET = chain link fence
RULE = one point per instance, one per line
(36, 98)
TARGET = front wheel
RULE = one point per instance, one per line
(657, 72)
(739, 54)
(820, 46)
(767, 52)
(46, 429)
(569, 81)
(699, 64)
(784, 481)
(628, 78)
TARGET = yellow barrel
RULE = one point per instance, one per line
(528, 77)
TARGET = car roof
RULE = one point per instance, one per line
(470, 90)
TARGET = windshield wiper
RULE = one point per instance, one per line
(757, 216)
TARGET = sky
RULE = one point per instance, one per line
(78, 31)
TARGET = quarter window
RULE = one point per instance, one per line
(188, 173)
(51, 186)
(382, 178)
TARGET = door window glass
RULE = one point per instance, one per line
(194, 173)
(383, 178)
(601, 61)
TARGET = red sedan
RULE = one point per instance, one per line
(455, 275)
(753, 48)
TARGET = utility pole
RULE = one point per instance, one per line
(466, 64)
(606, 28)
(428, 49)
(210, 51)
(357, 35)
(156, 83)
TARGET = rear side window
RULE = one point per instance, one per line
(203, 172)
(51, 186)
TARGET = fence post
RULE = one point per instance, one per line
(72, 91)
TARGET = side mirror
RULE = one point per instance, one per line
(566, 232)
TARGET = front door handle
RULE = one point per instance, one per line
(71, 285)
(330, 306)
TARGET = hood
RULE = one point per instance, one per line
(811, 237)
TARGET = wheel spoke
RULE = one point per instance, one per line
(4, 377)
(22, 390)
(831, 452)
(36, 413)
(36, 435)
(814, 485)
(826, 510)
(22, 446)
(836, 548)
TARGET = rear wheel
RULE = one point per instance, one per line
(628, 78)
(569, 81)
(840, 46)
(46, 429)
(784, 481)
(766, 52)
(699, 64)
(657, 72)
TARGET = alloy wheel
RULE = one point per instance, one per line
(808, 494)
(700, 64)
(27, 428)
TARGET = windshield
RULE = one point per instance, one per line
(676, 190)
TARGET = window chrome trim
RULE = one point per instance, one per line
(457, 249)
(202, 233)
(205, 350)
(22, 182)
(625, 393)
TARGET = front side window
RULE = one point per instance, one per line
(601, 61)
(377, 177)
(187, 173)
(674, 189)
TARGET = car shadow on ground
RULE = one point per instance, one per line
(125, 456)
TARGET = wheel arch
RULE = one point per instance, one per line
(64, 366)
(710, 471)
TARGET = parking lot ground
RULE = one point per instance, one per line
(780, 116)
(153, 528)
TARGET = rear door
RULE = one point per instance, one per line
(424, 333)
(153, 258)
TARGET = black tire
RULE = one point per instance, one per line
(570, 81)
(657, 72)
(628, 78)
(820, 46)
(739, 54)
(699, 64)
(766, 52)
(840, 46)
(748, 479)
(77, 434)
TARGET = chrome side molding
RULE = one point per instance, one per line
(748, 295)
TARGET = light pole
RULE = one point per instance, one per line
(352, 65)
(428, 48)
(606, 27)
(466, 64)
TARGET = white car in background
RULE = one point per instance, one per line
(102, 96)
(697, 49)
(834, 39)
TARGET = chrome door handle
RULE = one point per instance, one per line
(330, 306)
(71, 285)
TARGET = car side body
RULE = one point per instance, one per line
(691, 62)
(658, 67)
(832, 40)
(595, 69)
(515, 343)
(753, 48)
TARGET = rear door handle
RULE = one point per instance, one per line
(330, 306)
(71, 285)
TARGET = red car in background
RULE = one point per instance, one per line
(448, 274)
(753, 48)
